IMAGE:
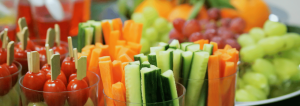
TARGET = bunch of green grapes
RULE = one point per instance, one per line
(155, 29)
(272, 56)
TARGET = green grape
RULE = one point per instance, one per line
(257, 33)
(242, 95)
(296, 77)
(271, 45)
(296, 38)
(285, 68)
(37, 104)
(14, 96)
(139, 18)
(150, 14)
(245, 40)
(257, 93)
(257, 80)
(266, 68)
(274, 28)
(170, 26)
(241, 84)
(165, 38)
(151, 34)
(251, 53)
(292, 54)
(5, 101)
(160, 24)
(145, 45)
(289, 42)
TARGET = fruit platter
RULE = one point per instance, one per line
(147, 52)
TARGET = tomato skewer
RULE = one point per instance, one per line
(34, 79)
(78, 85)
(54, 85)
(68, 65)
(4, 38)
(9, 64)
(58, 48)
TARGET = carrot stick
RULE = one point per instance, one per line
(114, 36)
(118, 90)
(117, 71)
(123, 72)
(96, 53)
(223, 59)
(121, 42)
(127, 51)
(134, 46)
(205, 41)
(125, 58)
(226, 83)
(107, 78)
(106, 27)
(213, 84)
(227, 47)
(105, 49)
(137, 29)
(127, 29)
(88, 48)
(104, 58)
(117, 25)
(215, 46)
(99, 45)
(118, 48)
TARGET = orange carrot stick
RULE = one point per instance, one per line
(114, 36)
(134, 46)
(117, 25)
(93, 66)
(117, 71)
(106, 27)
(121, 42)
(105, 49)
(127, 29)
(213, 82)
(118, 90)
(104, 58)
(215, 46)
(127, 51)
(107, 78)
(125, 58)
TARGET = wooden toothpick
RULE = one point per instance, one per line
(35, 61)
(29, 61)
(57, 34)
(55, 66)
(24, 37)
(75, 57)
(70, 46)
(5, 40)
(10, 53)
(22, 24)
(47, 53)
(81, 71)
(50, 37)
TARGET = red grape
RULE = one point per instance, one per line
(178, 24)
(196, 36)
(236, 36)
(213, 13)
(227, 34)
(219, 40)
(233, 43)
(225, 22)
(190, 27)
(176, 35)
(210, 33)
(237, 25)
(211, 25)
(203, 22)
(222, 29)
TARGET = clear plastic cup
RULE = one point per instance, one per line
(181, 91)
(12, 97)
(8, 15)
(199, 91)
(32, 97)
(47, 13)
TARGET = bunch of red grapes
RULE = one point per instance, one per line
(216, 29)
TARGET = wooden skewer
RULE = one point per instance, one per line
(75, 57)
(24, 38)
(70, 44)
(10, 53)
(47, 53)
(22, 24)
(81, 71)
(29, 61)
(50, 37)
(57, 34)
(5, 40)
(55, 66)
(35, 61)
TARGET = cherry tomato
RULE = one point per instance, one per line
(79, 97)
(5, 80)
(55, 99)
(12, 69)
(34, 81)
(21, 57)
(43, 57)
(3, 55)
(30, 45)
(62, 50)
(68, 67)
(74, 75)
(61, 77)
(46, 68)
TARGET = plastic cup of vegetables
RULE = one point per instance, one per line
(86, 96)
(9, 95)
(179, 101)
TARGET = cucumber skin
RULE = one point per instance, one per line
(161, 61)
(186, 68)
(167, 83)
(159, 93)
(81, 42)
(150, 84)
(177, 57)
(152, 60)
(132, 73)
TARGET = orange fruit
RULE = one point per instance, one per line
(163, 7)
(180, 11)
(254, 12)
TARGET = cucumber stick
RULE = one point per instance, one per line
(183, 45)
(208, 48)
(198, 72)
(159, 93)
(177, 60)
(169, 88)
(133, 84)
(163, 44)
(81, 35)
(156, 49)
(174, 44)
(97, 30)
(187, 58)
(192, 47)
(145, 64)
(165, 60)
(152, 59)
(140, 57)
(149, 84)
(89, 31)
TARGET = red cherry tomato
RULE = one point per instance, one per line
(46, 68)
(3, 55)
(68, 67)
(55, 99)
(74, 75)
(5, 80)
(34, 81)
(62, 50)
(43, 57)
(30, 45)
(12, 69)
(79, 97)
(61, 77)
(21, 57)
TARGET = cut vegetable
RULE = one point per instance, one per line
(165, 60)
(152, 59)
(149, 85)
(156, 49)
(169, 88)
(145, 64)
(192, 47)
(174, 44)
(163, 44)
(183, 45)
(88, 35)
(187, 58)
(208, 48)
(133, 84)
(177, 61)
(119, 94)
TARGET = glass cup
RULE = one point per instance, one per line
(8, 15)
(219, 91)
(11, 96)
(25, 11)
(31, 97)
(78, 16)
(181, 91)
(47, 13)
